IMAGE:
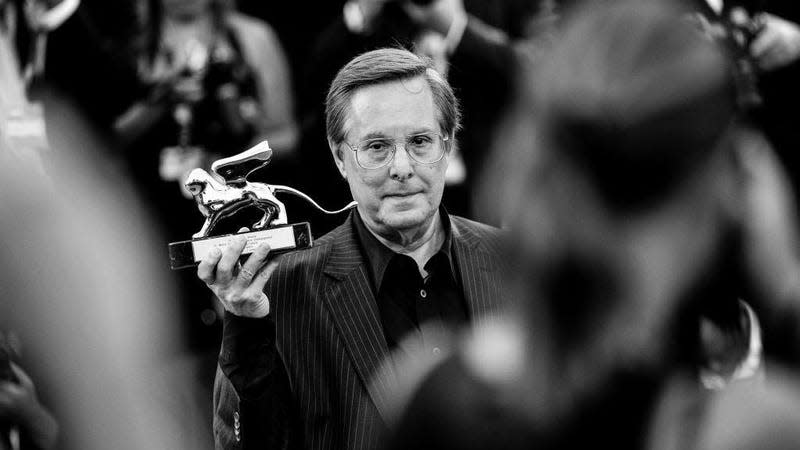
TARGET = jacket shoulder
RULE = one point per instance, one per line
(481, 231)
(314, 256)
(477, 227)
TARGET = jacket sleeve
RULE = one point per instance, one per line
(252, 394)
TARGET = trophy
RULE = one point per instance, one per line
(234, 200)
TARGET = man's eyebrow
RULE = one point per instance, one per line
(423, 130)
(374, 135)
(380, 135)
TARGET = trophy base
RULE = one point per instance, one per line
(281, 239)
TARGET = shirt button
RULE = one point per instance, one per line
(237, 426)
(436, 350)
(423, 293)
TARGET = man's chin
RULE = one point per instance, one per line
(404, 219)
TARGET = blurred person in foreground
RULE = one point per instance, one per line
(79, 288)
(627, 183)
(304, 333)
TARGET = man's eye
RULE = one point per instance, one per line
(376, 146)
(420, 140)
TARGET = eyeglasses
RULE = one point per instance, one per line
(424, 148)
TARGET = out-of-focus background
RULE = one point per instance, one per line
(105, 106)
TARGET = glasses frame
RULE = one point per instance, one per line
(445, 143)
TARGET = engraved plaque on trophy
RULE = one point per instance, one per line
(230, 199)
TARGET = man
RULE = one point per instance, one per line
(304, 333)
(477, 40)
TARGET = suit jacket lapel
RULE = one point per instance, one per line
(355, 314)
(479, 275)
(354, 309)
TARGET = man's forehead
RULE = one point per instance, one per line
(416, 87)
(407, 100)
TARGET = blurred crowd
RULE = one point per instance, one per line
(106, 106)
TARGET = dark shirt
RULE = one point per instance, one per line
(398, 288)
(406, 300)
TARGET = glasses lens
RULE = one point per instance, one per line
(425, 148)
(374, 152)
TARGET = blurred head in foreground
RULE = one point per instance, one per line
(626, 180)
(616, 173)
(82, 286)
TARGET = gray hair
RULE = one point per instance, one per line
(382, 66)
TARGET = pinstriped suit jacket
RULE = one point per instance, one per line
(330, 341)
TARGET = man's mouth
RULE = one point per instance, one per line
(401, 194)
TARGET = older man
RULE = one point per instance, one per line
(304, 333)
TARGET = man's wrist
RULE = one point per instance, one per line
(256, 310)
(241, 334)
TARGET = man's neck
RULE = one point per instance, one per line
(420, 243)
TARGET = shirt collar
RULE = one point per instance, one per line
(379, 256)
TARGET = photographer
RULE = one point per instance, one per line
(213, 81)
(216, 79)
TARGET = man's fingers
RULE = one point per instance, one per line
(207, 269)
(263, 275)
(230, 256)
(254, 262)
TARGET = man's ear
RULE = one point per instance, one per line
(338, 157)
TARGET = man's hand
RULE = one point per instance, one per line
(240, 288)
(778, 43)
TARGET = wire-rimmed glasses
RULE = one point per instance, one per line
(424, 148)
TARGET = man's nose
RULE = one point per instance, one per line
(401, 165)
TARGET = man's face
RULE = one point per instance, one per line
(404, 195)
